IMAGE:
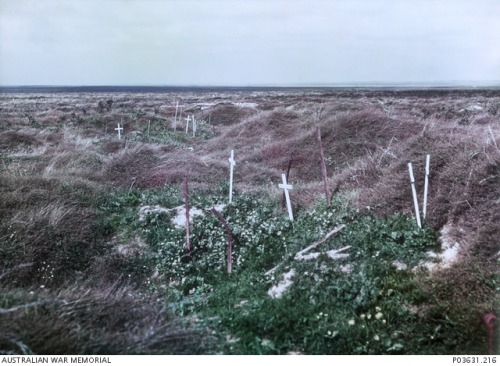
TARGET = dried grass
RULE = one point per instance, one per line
(48, 222)
(227, 114)
(110, 320)
(130, 165)
(18, 140)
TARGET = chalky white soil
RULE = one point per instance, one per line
(450, 249)
(179, 220)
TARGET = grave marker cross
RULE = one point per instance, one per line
(119, 129)
(188, 118)
(285, 186)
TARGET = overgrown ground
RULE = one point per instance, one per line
(84, 270)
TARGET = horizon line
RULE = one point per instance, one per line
(414, 85)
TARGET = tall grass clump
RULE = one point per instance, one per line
(111, 320)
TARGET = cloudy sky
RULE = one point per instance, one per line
(248, 42)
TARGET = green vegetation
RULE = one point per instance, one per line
(362, 304)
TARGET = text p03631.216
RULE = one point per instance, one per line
(475, 359)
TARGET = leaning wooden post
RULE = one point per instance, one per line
(283, 201)
(229, 240)
(415, 201)
(285, 186)
(323, 166)
(149, 126)
(194, 127)
(175, 118)
(186, 199)
(232, 163)
(427, 163)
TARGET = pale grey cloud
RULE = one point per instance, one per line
(241, 42)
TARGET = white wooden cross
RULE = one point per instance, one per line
(188, 118)
(286, 187)
(414, 191)
(119, 129)
(232, 163)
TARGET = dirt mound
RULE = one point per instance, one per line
(267, 141)
(174, 167)
(227, 114)
(18, 140)
(262, 128)
(349, 136)
(130, 166)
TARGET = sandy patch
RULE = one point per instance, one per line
(245, 104)
(450, 250)
(277, 291)
(179, 219)
(148, 210)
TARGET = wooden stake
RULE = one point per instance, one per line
(285, 186)
(186, 199)
(323, 166)
(229, 240)
(414, 191)
(300, 254)
(188, 118)
(232, 163)
(427, 163)
(175, 118)
(283, 201)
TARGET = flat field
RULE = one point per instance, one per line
(93, 250)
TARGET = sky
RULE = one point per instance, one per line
(249, 42)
